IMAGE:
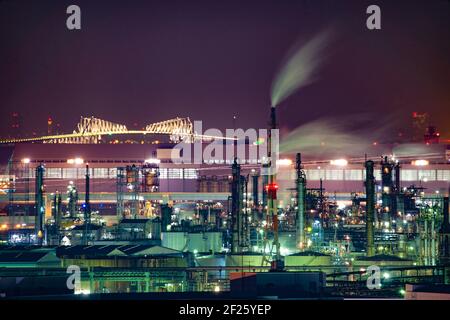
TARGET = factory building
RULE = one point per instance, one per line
(122, 256)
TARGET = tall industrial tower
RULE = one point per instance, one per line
(370, 208)
(301, 203)
(87, 209)
(239, 219)
(271, 189)
(39, 205)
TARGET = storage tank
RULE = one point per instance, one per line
(174, 240)
(205, 242)
(307, 258)
(248, 259)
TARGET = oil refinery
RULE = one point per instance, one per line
(224, 150)
(135, 220)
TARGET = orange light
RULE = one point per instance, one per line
(339, 162)
(420, 162)
(284, 162)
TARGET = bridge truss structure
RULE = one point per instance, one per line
(90, 130)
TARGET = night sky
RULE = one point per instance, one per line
(147, 61)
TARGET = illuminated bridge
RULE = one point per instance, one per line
(90, 131)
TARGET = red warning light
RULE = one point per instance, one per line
(271, 190)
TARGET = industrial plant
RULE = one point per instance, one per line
(135, 220)
(224, 150)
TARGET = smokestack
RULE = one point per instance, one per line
(273, 118)
(272, 187)
(370, 207)
(301, 200)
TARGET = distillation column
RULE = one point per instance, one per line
(87, 209)
(399, 197)
(386, 191)
(301, 203)
(57, 213)
(239, 242)
(39, 205)
(370, 207)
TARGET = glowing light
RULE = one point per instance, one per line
(386, 275)
(339, 162)
(26, 160)
(75, 161)
(258, 142)
(216, 289)
(420, 162)
(156, 161)
(284, 162)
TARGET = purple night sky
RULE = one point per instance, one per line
(147, 61)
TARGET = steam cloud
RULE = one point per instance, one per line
(300, 68)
